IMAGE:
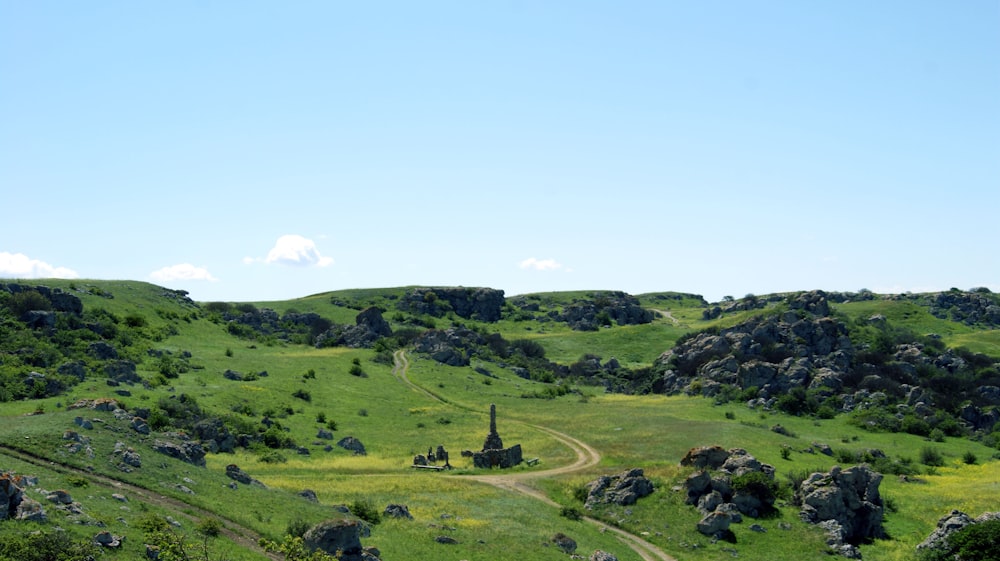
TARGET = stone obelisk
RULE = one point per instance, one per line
(493, 441)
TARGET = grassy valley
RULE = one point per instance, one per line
(273, 387)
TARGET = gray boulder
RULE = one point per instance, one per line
(848, 497)
(336, 537)
(190, 452)
(352, 444)
(710, 457)
(714, 523)
(397, 511)
(565, 543)
(624, 488)
(599, 555)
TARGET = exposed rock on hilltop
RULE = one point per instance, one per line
(771, 353)
(369, 326)
(452, 346)
(482, 304)
(602, 309)
(970, 308)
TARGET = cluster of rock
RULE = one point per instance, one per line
(951, 523)
(59, 302)
(624, 488)
(844, 502)
(847, 504)
(588, 315)
(711, 488)
(482, 304)
(807, 348)
(453, 346)
(970, 308)
(13, 503)
(267, 321)
(369, 326)
(771, 353)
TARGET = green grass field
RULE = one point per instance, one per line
(395, 422)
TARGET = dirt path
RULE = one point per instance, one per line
(241, 535)
(586, 457)
(668, 315)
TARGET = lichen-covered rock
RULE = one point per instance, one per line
(846, 502)
(702, 457)
(624, 488)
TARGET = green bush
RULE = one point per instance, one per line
(297, 528)
(366, 510)
(46, 545)
(756, 484)
(931, 457)
(969, 458)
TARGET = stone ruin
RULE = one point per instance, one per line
(433, 457)
(493, 453)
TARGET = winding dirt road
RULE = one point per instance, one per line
(586, 457)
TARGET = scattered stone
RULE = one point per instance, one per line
(131, 458)
(599, 555)
(234, 472)
(309, 495)
(30, 509)
(60, 497)
(324, 434)
(565, 543)
(397, 511)
(106, 539)
(139, 425)
(758, 528)
(119, 497)
(446, 540)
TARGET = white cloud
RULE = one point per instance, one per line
(540, 264)
(291, 249)
(19, 265)
(183, 271)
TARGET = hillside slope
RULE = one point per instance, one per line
(273, 387)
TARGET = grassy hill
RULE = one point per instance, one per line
(266, 380)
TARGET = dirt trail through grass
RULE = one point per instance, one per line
(241, 535)
(586, 457)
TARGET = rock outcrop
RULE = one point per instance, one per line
(341, 537)
(601, 309)
(190, 452)
(951, 523)
(368, 328)
(846, 503)
(482, 304)
(624, 488)
(453, 346)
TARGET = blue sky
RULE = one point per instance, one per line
(271, 150)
